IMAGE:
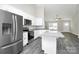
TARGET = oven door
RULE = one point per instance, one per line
(30, 35)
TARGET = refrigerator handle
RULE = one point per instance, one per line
(14, 28)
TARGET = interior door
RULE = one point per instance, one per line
(66, 26)
(19, 27)
(6, 28)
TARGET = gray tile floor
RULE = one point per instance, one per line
(68, 45)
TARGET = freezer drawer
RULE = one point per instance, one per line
(14, 48)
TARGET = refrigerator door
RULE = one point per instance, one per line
(13, 48)
(19, 27)
(6, 28)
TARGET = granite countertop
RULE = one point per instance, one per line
(68, 45)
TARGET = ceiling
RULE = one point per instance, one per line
(51, 11)
(60, 10)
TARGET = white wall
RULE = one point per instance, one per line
(74, 25)
(75, 22)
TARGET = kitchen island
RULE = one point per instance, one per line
(69, 44)
(49, 41)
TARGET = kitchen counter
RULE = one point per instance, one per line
(68, 45)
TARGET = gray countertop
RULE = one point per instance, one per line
(68, 45)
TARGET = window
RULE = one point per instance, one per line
(53, 26)
(66, 24)
(66, 27)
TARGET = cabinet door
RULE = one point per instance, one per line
(25, 38)
(12, 48)
(6, 28)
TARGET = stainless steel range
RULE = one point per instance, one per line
(27, 24)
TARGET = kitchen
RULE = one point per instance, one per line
(39, 27)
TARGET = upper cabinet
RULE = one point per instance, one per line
(39, 16)
(27, 22)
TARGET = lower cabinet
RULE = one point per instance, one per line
(35, 47)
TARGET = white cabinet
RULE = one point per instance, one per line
(39, 16)
(25, 38)
(49, 44)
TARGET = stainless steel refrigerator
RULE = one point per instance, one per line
(11, 33)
